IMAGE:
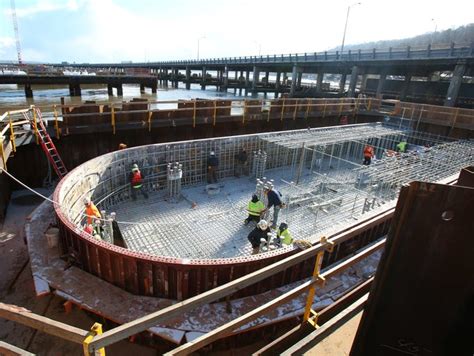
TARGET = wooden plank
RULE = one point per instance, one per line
(41, 323)
(229, 327)
(328, 328)
(298, 332)
(143, 323)
(11, 350)
(244, 319)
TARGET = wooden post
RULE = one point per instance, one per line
(312, 290)
(150, 114)
(12, 133)
(35, 127)
(215, 113)
(296, 108)
(194, 113)
(112, 116)
(3, 154)
(282, 109)
(307, 109)
(56, 123)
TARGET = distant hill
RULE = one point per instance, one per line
(463, 34)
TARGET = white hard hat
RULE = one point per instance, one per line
(262, 224)
(87, 201)
(212, 153)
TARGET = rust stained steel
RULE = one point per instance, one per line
(422, 298)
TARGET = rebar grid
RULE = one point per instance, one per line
(318, 172)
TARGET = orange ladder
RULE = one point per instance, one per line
(45, 141)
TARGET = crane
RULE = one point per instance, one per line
(15, 29)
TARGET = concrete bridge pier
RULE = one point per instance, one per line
(188, 78)
(236, 78)
(298, 81)
(74, 90)
(277, 84)
(247, 81)
(294, 74)
(165, 77)
(110, 90)
(142, 88)
(255, 80)
(225, 79)
(455, 84)
(176, 78)
(241, 80)
(363, 82)
(203, 78)
(406, 84)
(28, 91)
(382, 78)
(342, 82)
(319, 81)
(353, 82)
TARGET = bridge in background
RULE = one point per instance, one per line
(245, 73)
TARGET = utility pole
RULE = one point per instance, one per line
(345, 26)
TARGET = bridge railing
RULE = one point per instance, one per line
(452, 50)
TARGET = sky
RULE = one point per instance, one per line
(153, 30)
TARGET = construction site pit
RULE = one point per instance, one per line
(319, 173)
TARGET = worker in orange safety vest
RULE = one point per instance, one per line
(91, 211)
(136, 181)
(368, 154)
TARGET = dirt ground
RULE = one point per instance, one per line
(338, 343)
(16, 287)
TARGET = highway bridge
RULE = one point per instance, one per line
(252, 74)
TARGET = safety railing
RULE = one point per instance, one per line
(146, 115)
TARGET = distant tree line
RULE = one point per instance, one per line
(460, 35)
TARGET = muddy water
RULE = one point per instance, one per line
(13, 96)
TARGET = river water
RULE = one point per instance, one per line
(13, 96)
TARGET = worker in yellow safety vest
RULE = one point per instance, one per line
(283, 235)
(402, 146)
(255, 209)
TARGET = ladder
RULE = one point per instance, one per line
(46, 143)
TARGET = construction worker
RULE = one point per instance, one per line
(241, 163)
(212, 164)
(283, 235)
(91, 211)
(368, 154)
(261, 231)
(136, 182)
(402, 146)
(274, 200)
(255, 209)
